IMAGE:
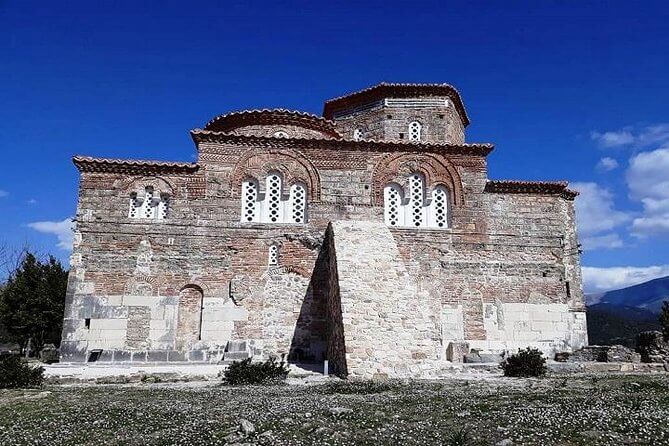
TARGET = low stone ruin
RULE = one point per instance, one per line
(652, 346)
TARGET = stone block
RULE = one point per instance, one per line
(156, 356)
(122, 356)
(456, 351)
(176, 356)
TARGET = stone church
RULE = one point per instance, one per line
(370, 237)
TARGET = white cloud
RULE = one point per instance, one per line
(607, 164)
(613, 139)
(3, 193)
(605, 279)
(648, 182)
(61, 229)
(32, 201)
(633, 137)
(606, 241)
(597, 217)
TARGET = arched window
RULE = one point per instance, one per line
(438, 209)
(280, 134)
(414, 131)
(297, 203)
(273, 259)
(357, 134)
(271, 207)
(249, 201)
(393, 208)
(415, 211)
(149, 205)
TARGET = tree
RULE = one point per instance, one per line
(32, 302)
(664, 319)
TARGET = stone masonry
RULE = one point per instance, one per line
(371, 237)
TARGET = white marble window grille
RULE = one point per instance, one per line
(135, 204)
(416, 201)
(149, 205)
(415, 131)
(270, 206)
(273, 259)
(439, 208)
(357, 134)
(273, 205)
(250, 201)
(280, 134)
(393, 208)
(297, 203)
(415, 211)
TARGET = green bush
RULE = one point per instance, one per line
(247, 372)
(14, 372)
(525, 363)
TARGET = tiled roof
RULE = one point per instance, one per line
(384, 90)
(531, 187)
(200, 135)
(90, 164)
(230, 121)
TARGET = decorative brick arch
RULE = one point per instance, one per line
(293, 166)
(396, 168)
(159, 184)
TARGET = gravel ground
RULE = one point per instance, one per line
(604, 410)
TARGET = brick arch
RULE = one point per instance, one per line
(159, 184)
(437, 170)
(293, 166)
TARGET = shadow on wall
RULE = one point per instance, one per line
(319, 333)
(309, 341)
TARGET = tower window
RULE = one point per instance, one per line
(357, 134)
(415, 131)
(280, 134)
(249, 201)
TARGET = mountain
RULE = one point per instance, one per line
(611, 324)
(646, 296)
(616, 317)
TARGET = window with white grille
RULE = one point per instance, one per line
(415, 211)
(250, 201)
(271, 207)
(416, 217)
(149, 205)
(439, 208)
(393, 209)
(414, 131)
(280, 134)
(357, 134)
(273, 259)
(297, 203)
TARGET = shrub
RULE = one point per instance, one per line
(247, 372)
(525, 363)
(459, 437)
(14, 372)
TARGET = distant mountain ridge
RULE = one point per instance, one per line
(645, 296)
(616, 317)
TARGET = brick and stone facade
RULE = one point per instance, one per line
(371, 237)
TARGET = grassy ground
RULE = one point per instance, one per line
(551, 411)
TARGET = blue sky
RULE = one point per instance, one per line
(566, 90)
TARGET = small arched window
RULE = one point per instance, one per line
(392, 205)
(416, 200)
(297, 203)
(438, 209)
(415, 131)
(273, 257)
(249, 201)
(280, 134)
(149, 205)
(273, 208)
(357, 134)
